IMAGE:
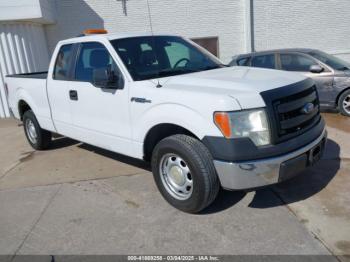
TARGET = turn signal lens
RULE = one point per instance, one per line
(252, 124)
(94, 31)
(222, 121)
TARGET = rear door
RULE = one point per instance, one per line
(100, 116)
(58, 81)
(299, 62)
(264, 61)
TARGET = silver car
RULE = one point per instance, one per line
(331, 74)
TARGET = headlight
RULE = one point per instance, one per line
(246, 123)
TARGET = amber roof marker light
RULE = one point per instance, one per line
(94, 31)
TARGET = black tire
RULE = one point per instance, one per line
(206, 184)
(43, 137)
(345, 97)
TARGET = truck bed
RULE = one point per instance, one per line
(38, 75)
(30, 88)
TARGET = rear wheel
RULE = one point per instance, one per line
(37, 137)
(344, 103)
(184, 172)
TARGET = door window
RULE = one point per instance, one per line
(296, 62)
(264, 61)
(61, 69)
(93, 56)
(243, 61)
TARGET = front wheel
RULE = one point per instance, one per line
(37, 137)
(344, 103)
(184, 172)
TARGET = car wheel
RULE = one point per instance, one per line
(184, 172)
(37, 137)
(344, 103)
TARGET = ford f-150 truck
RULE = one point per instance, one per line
(166, 100)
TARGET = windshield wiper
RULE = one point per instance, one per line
(343, 68)
(179, 71)
(171, 72)
(211, 67)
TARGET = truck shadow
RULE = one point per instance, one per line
(224, 200)
(117, 157)
(305, 185)
(61, 142)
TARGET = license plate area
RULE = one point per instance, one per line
(292, 167)
(316, 152)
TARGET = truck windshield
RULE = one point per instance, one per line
(331, 60)
(161, 56)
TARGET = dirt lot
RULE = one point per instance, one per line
(78, 199)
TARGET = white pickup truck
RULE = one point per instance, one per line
(166, 100)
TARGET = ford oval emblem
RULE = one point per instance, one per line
(307, 108)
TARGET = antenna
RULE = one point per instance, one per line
(150, 17)
(154, 42)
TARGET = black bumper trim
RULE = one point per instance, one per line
(243, 149)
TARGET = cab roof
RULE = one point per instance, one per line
(109, 36)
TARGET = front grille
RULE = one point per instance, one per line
(290, 115)
(290, 110)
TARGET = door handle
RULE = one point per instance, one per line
(73, 95)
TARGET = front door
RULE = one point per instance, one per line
(100, 115)
(324, 83)
(58, 82)
(302, 63)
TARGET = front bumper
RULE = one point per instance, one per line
(252, 174)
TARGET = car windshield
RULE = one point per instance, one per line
(331, 60)
(161, 56)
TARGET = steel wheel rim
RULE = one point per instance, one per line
(176, 176)
(31, 131)
(346, 104)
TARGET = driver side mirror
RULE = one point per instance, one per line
(316, 69)
(105, 78)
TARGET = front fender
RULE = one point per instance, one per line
(171, 113)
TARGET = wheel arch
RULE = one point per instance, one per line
(24, 102)
(340, 94)
(159, 132)
(23, 107)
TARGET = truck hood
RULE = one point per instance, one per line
(241, 83)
